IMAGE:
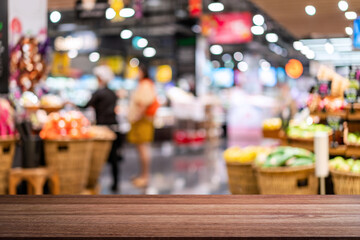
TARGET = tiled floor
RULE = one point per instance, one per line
(173, 171)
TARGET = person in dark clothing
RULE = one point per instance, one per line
(104, 102)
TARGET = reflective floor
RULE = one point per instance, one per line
(174, 170)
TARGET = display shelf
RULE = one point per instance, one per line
(323, 115)
(353, 116)
(338, 151)
(275, 134)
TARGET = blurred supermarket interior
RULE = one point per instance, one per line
(241, 87)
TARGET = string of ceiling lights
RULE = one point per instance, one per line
(138, 42)
(310, 10)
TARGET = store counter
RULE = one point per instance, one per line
(112, 217)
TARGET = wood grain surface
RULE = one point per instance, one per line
(111, 217)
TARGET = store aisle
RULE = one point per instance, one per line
(173, 172)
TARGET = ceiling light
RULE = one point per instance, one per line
(257, 30)
(73, 53)
(298, 45)
(142, 42)
(310, 10)
(243, 66)
(238, 56)
(196, 28)
(127, 12)
(226, 57)
(126, 34)
(134, 62)
(149, 52)
(305, 49)
(216, 6)
(329, 48)
(94, 57)
(343, 5)
(351, 15)
(216, 49)
(310, 55)
(272, 37)
(110, 13)
(258, 20)
(55, 16)
(349, 31)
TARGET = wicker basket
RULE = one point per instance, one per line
(100, 153)
(71, 159)
(242, 178)
(288, 180)
(346, 183)
(7, 151)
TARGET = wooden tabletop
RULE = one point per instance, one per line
(112, 217)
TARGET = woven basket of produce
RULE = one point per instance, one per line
(7, 151)
(242, 178)
(103, 140)
(71, 160)
(68, 149)
(345, 175)
(287, 170)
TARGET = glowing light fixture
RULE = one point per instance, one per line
(216, 49)
(142, 42)
(351, 15)
(110, 13)
(243, 66)
(73, 53)
(272, 37)
(94, 57)
(257, 30)
(329, 48)
(343, 5)
(149, 52)
(127, 12)
(216, 6)
(349, 31)
(310, 10)
(298, 45)
(238, 56)
(258, 20)
(126, 34)
(55, 16)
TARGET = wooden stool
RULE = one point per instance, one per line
(36, 178)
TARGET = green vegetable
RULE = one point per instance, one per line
(302, 162)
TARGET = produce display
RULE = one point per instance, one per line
(305, 131)
(353, 138)
(101, 133)
(29, 100)
(51, 101)
(7, 127)
(286, 157)
(272, 124)
(66, 125)
(244, 155)
(330, 104)
(349, 165)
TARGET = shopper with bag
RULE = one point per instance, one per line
(143, 107)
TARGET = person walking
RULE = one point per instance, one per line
(143, 106)
(104, 101)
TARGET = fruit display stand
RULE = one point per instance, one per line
(324, 115)
(71, 160)
(7, 151)
(346, 183)
(352, 148)
(242, 178)
(287, 180)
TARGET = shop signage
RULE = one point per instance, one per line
(227, 28)
(195, 8)
(4, 51)
(294, 68)
(357, 33)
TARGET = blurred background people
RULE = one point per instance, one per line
(143, 106)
